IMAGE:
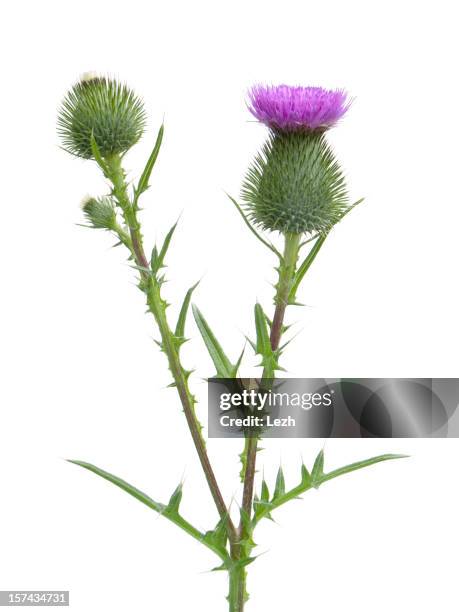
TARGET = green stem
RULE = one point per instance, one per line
(157, 306)
(287, 270)
(237, 594)
(286, 277)
(158, 309)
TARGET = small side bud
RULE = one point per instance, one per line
(100, 212)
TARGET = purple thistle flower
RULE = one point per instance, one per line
(297, 109)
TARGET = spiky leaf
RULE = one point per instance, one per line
(304, 267)
(224, 367)
(157, 259)
(218, 536)
(310, 257)
(358, 465)
(269, 358)
(170, 511)
(143, 183)
(264, 491)
(279, 489)
(122, 484)
(305, 476)
(318, 469)
(317, 478)
(180, 327)
(174, 502)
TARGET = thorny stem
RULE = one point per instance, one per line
(286, 274)
(237, 595)
(157, 306)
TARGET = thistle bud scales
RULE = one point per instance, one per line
(295, 184)
(105, 108)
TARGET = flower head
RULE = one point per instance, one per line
(297, 109)
(103, 108)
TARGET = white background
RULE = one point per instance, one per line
(81, 375)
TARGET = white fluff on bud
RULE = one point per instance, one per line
(88, 76)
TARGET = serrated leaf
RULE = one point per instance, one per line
(280, 484)
(238, 363)
(263, 343)
(317, 478)
(246, 539)
(310, 257)
(262, 506)
(223, 365)
(170, 511)
(261, 326)
(154, 255)
(305, 476)
(157, 260)
(174, 502)
(304, 267)
(317, 469)
(122, 484)
(264, 491)
(143, 183)
(219, 535)
(180, 327)
(358, 465)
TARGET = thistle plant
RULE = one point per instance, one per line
(294, 191)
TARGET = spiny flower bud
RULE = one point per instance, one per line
(295, 184)
(105, 108)
(100, 212)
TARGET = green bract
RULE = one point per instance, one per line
(104, 108)
(295, 185)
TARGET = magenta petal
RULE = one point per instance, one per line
(295, 109)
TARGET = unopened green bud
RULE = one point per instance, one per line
(100, 212)
(105, 108)
(295, 185)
